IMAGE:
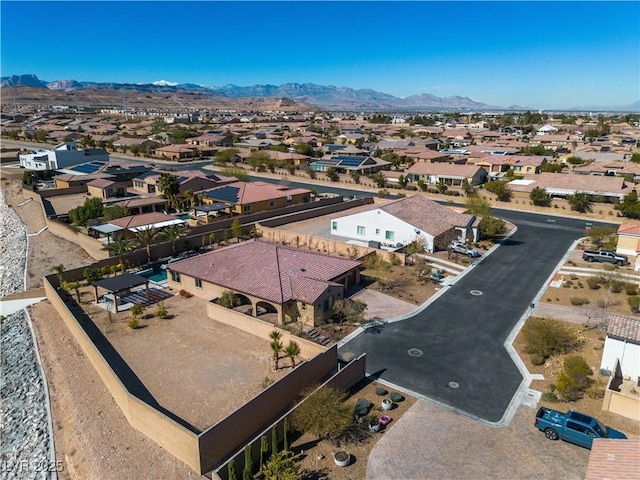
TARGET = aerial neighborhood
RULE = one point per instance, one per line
(232, 265)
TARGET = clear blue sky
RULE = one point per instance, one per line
(533, 54)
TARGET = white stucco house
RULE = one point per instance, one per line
(64, 155)
(400, 222)
(623, 344)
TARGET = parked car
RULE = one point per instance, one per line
(573, 427)
(606, 256)
(464, 249)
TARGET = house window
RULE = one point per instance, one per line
(389, 235)
(198, 283)
(334, 225)
(175, 276)
(272, 203)
(361, 230)
(246, 208)
(377, 231)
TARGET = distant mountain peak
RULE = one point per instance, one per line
(164, 83)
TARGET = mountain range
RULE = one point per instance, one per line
(318, 96)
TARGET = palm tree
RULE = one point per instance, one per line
(173, 233)
(291, 352)
(120, 246)
(59, 270)
(191, 197)
(169, 187)
(69, 286)
(146, 236)
(276, 346)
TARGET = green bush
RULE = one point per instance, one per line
(634, 303)
(631, 289)
(617, 286)
(595, 391)
(593, 282)
(579, 301)
(161, 312)
(549, 396)
(134, 323)
(547, 337)
(537, 359)
(575, 379)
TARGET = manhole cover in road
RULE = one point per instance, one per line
(475, 292)
(415, 352)
(453, 385)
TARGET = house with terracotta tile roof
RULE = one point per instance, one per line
(104, 188)
(562, 185)
(270, 278)
(452, 175)
(424, 154)
(404, 221)
(252, 197)
(629, 241)
(194, 180)
(622, 345)
(140, 205)
(614, 459)
(521, 164)
(176, 152)
(615, 168)
(133, 223)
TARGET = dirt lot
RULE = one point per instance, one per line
(574, 285)
(317, 457)
(197, 368)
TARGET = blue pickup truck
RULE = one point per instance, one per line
(573, 427)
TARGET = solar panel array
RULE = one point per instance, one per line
(90, 167)
(226, 193)
(351, 161)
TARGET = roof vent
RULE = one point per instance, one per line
(303, 269)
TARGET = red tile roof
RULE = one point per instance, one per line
(270, 271)
(614, 459)
(624, 328)
(100, 183)
(629, 229)
(133, 221)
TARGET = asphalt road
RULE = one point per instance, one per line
(461, 335)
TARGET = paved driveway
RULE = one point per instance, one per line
(429, 442)
(453, 351)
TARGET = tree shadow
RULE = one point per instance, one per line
(322, 474)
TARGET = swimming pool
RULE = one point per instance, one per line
(155, 275)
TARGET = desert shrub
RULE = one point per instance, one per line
(453, 193)
(549, 397)
(134, 323)
(575, 379)
(567, 284)
(595, 391)
(161, 312)
(631, 289)
(547, 337)
(323, 413)
(579, 301)
(634, 303)
(593, 282)
(616, 286)
(186, 293)
(537, 359)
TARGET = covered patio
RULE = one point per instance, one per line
(118, 285)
